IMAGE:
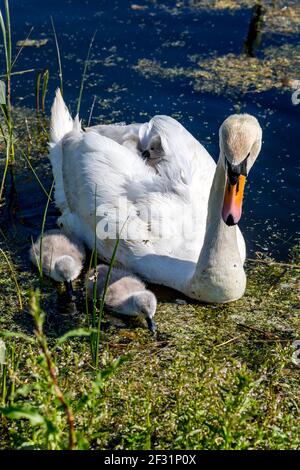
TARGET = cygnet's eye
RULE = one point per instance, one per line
(151, 148)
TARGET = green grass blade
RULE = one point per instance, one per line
(21, 48)
(8, 30)
(37, 92)
(100, 315)
(86, 63)
(3, 28)
(91, 111)
(10, 265)
(45, 88)
(40, 267)
(35, 174)
(16, 335)
(58, 56)
(19, 72)
(5, 171)
(75, 333)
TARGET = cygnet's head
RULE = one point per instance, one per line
(240, 143)
(144, 304)
(66, 270)
(154, 152)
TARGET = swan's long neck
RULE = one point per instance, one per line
(219, 275)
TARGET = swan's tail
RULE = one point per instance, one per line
(61, 124)
(61, 121)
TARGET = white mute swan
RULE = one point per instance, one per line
(61, 257)
(126, 294)
(178, 227)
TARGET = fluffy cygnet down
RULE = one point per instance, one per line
(61, 257)
(126, 294)
(153, 154)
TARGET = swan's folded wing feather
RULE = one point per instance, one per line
(116, 132)
(101, 175)
(97, 170)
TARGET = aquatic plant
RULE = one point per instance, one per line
(6, 107)
(7, 129)
(58, 56)
(232, 74)
(43, 76)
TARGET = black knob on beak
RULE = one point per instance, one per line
(146, 154)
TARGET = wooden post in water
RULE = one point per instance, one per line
(253, 38)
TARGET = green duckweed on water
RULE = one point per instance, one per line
(279, 16)
(233, 74)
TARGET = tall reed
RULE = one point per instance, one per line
(58, 55)
(43, 76)
(5, 107)
(7, 130)
(97, 313)
(84, 74)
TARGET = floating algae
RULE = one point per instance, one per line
(223, 4)
(284, 19)
(281, 16)
(32, 42)
(232, 74)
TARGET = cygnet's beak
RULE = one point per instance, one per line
(234, 192)
(146, 154)
(70, 290)
(151, 324)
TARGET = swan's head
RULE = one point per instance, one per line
(144, 304)
(240, 144)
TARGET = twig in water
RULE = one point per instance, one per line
(274, 263)
(229, 341)
(267, 334)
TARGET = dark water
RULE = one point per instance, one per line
(271, 216)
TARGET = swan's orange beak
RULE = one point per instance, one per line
(233, 200)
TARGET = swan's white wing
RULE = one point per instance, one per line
(101, 175)
(117, 132)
